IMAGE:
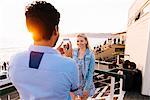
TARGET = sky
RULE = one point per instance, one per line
(90, 16)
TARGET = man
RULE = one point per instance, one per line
(42, 73)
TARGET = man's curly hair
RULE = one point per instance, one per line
(41, 19)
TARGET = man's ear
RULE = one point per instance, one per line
(56, 32)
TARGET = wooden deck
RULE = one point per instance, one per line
(135, 96)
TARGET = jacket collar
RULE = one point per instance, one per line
(87, 52)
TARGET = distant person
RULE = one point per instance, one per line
(133, 80)
(95, 50)
(132, 66)
(42, 73)
(113, 65)
(114, 40)
(105, 42)
(118, 40)
(5, 66)
(85, 60)
(122, 42)
(126, 64)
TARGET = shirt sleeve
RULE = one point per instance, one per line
(75, 79)
(11, 68)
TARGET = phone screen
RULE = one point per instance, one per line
(66, 43)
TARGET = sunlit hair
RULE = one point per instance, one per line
(41, 18)
(85, 37)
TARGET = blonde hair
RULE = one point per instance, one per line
(85, 37)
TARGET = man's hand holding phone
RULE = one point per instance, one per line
(66, 48)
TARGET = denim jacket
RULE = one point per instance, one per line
(89, 63)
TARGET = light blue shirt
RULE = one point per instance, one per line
(53, 80)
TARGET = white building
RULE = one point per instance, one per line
(138, 40)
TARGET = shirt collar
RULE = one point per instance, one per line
(44, 49)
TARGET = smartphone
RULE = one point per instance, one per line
(66, 43)
(66, 40)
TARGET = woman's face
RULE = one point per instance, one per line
(81, 42)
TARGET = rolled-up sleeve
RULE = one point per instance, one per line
(89, 79)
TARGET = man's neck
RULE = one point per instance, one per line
(43, 43)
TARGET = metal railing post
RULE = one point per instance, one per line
(118, 58)
(112, 88)
(121, 91)
(98, 65)
(8, 97)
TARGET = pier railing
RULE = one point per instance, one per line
(7, 90)
(108, 85)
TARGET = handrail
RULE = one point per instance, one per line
(123, 69)
(103, 62)
(110, 74)
(7, 90)
(114, 75)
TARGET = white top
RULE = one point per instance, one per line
(52, 80)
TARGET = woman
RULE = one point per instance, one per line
(86, 63)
